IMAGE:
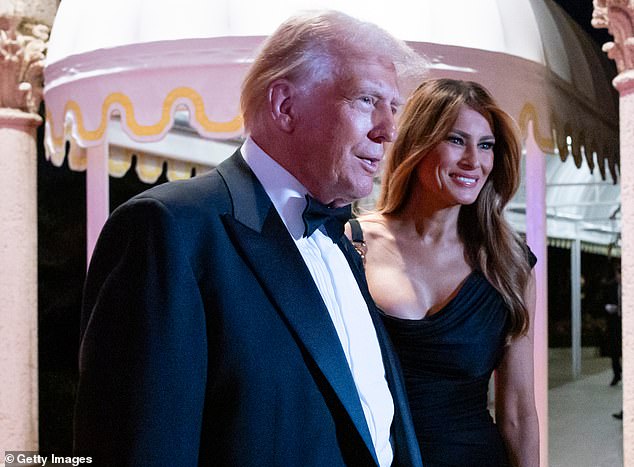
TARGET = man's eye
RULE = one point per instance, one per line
(367, 100)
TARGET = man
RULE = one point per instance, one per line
(614, 327)
(219, 327)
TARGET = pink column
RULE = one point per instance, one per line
(97, 194)
(18, 280)
(536, 238)
(24, 26)
(618, 17)
(625, 85)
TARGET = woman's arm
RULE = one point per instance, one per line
(515, 410)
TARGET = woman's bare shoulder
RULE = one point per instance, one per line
(375, 226)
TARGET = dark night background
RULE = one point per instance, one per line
(581, 12)
(62, 264)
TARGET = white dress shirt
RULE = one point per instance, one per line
(340, 292)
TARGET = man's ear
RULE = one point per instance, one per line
(281, 97)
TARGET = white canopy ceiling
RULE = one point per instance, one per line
(536, 30)
(508, 26)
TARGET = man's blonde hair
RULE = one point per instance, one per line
(311, 46)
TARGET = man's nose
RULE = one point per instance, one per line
(384, 126)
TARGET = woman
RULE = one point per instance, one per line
(452, 278)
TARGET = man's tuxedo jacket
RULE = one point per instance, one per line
(206, 342)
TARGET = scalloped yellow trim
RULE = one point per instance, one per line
(143, 130)
(528, 113)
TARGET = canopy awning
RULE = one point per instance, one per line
(121, 74)
(154, 59)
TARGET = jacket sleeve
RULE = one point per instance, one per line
(143, 354)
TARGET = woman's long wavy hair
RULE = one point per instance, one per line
(491, 245)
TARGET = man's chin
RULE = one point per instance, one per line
(365, 191)
(351, 199)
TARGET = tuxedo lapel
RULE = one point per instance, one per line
(406, 450)
(260, 235)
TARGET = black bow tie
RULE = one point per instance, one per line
(317, 214)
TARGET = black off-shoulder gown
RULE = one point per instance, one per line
(447, 360)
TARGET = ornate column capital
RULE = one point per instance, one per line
(22, 51)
